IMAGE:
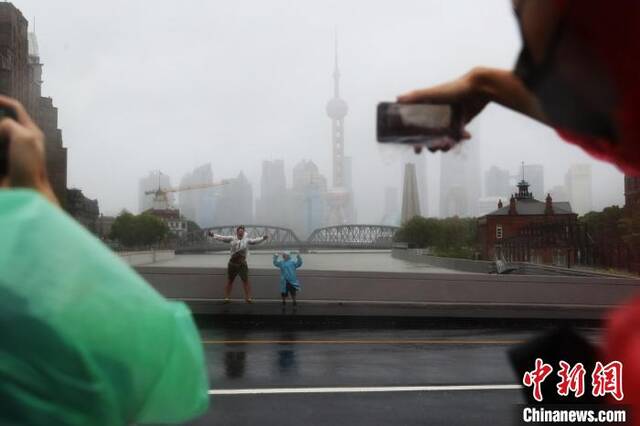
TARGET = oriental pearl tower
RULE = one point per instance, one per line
(337, 108)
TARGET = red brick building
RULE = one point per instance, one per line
(521, 217)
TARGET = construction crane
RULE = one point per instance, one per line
(161, 201)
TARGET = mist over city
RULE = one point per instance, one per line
(334, 212)
(143, 87)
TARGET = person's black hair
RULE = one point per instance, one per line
(240, 227)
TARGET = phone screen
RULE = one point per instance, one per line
(416, 123)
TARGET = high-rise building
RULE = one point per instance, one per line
(488, 204)
(306, 174)
(271, 206)
(199, 204)
(420, 163)
(391, 215)
(152, 182)
(15, 73)
(391, 204)
(579, 188)
(234, 205)
(83, 209)
(460, 181)
(559, 193)
(497, 182)
(46, 115)
(21, 78)
(534, 174)
(307, 206)
(340, 201)
(410, 196)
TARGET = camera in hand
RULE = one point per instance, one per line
(417, 124)
(4, 142)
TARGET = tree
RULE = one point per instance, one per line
(151, 229)
(123, 229)
(451, 237)
(605, 224)
(142, 230)
(192, 226)
(630, 229)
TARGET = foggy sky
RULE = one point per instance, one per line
(171, 85)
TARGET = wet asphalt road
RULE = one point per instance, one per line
(253, 357)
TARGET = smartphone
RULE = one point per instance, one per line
(4, 142)
(418, 123)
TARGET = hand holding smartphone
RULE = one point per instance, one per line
(418, 124)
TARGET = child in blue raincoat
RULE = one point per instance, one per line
(289, 283)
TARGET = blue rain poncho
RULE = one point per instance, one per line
(288, 272)
(84, 340)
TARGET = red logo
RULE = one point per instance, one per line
(605, 379)
(571, 379)
(536, 377)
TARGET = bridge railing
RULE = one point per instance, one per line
(331, 237)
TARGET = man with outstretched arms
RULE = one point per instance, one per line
(238, 261)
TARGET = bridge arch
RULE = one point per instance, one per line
(277, 234)
(330, 237)
(354, 236)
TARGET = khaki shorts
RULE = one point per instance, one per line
(238, 268)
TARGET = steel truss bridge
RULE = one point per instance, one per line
(330, 237)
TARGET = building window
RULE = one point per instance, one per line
(498, 232)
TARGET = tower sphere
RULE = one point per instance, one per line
(337, 108)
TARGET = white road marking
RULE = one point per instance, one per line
(435, 388)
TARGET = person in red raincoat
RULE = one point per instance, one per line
(578, 72)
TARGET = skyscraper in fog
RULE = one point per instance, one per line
(307, 204)
(420, 162)
(391, 215)
(234, 205)
(460, 180)
(152, 182)
(410, 196)
(270, 207)
(497, 182)
(534, 174)
(559, 193)
(198, 205)
(578, 183)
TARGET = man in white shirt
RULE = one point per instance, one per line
(238, 261)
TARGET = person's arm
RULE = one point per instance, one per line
(254, 241)
(223, 238)
(276, 262)
(298, 261)
(26, 152)
(480, 86)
